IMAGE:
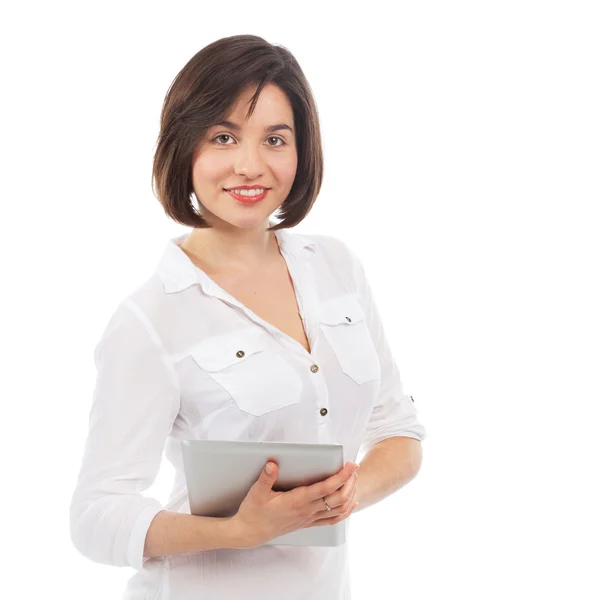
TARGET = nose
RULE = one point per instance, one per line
(249, 162)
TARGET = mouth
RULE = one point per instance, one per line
(247, 198)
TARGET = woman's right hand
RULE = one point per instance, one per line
(265, 514)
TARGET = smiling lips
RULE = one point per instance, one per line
(248, 195)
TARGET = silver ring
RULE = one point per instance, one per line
(327, 505)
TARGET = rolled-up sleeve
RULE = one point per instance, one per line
(136, 400)
(394, 412)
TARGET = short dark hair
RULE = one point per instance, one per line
(204, 92)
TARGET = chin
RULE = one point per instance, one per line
(243, 217)
(249, 222)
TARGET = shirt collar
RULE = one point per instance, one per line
(177, 272)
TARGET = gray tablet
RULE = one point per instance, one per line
(220, 473)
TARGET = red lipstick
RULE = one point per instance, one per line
(248, 199)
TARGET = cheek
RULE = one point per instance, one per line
(210, 167)
(286, 169)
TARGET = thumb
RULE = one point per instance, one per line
(268, 479)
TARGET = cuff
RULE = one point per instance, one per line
(137, 540)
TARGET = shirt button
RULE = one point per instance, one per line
(240, 353)
(314, 368)
(323, 411)
(411, 398)
(349, 319)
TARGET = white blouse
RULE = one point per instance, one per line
(169, 369)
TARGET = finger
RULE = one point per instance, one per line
(343, 491)
(336, 519)
(347, 502)
(321, 512)
(348, 486)
(340, 497)
(266, 480)
(331, 484)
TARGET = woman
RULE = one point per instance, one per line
(291, 316)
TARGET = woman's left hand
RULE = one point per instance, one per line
(342, 503)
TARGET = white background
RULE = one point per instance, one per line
(462, 146)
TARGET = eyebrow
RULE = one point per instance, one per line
(268, 129)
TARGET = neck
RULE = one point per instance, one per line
(232, 250)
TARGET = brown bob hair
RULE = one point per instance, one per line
(204, 92)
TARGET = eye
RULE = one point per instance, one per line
(273, 137)
(223, 135)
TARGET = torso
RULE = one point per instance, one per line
(270, 295)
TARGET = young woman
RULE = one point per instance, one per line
(246, 331)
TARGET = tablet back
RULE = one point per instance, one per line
(220, 473)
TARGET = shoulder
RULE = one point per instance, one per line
(135, 317)
(335, 261)
(332, 247)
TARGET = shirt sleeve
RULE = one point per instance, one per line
(135, 402)
(394, 412)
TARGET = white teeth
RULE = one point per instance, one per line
(247, 192)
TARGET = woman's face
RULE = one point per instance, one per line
(248, 154)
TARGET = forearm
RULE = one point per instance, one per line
(387, 467)
(175, 533)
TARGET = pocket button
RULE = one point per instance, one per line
(257, 379)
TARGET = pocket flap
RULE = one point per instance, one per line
(341, 309)
(223, 350)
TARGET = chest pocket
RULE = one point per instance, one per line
(258, 379)
(342, 321)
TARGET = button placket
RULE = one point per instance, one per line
(322, 411)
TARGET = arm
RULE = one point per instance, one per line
(387, 467)
(136, 401)
(393, 435)
(176, 533)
